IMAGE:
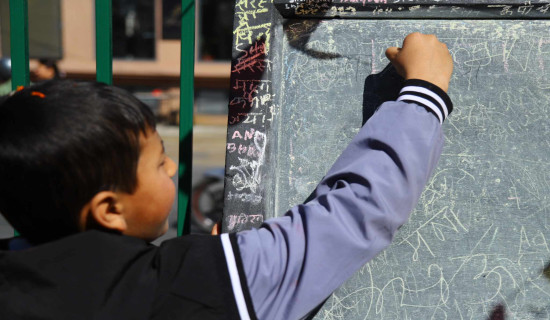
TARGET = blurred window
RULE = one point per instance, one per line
(171, 19)
(215, 27)
(133, 29)
(44, 29)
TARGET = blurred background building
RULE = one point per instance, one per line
(146, 48)
(146, 60)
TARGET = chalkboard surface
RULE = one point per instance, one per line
(477, 244)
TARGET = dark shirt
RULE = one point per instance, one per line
(96, 275)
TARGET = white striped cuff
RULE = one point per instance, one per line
(427, 95)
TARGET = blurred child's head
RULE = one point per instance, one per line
(45, 69)
(77, 156)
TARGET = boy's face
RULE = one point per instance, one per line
(147, 209)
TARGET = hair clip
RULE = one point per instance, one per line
(38, 94)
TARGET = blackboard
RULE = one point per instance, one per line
(477, 245)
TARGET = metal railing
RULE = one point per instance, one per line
(104, 73)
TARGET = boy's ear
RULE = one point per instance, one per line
(103, 210)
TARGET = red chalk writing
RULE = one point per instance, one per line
(253, 59)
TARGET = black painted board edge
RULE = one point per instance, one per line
(366, 2)
(416, 10)
(249, 116)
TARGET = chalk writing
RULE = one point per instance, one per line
(247, 174)
(251, 111)
(234, 221)
(253, 59)
(248, 150)
(248, 30)
(244, 197)
(404, 8)
(479, 236)
(251, 96)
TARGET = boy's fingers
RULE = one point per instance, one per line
(391, 53)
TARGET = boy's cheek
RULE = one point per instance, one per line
(172, 192)
(165, 227)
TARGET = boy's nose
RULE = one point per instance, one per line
(171, 167)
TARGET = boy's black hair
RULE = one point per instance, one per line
(61, 142)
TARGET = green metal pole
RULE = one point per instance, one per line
(19, 42)
(186, 113)
(103, 36)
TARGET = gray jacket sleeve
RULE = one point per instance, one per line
(292, 263)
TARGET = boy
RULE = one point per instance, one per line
(84, 178)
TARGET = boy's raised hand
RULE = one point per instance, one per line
(423, 57)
